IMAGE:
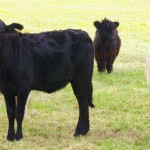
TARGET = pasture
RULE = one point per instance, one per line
(121, 119)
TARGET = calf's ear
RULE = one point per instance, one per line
(116, 24)
(10, 28)
(97, 24)
(17, 26)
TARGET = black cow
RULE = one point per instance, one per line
(13, 28)
(46, 62)
(107, 44)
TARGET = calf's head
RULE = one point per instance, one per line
(105, 28)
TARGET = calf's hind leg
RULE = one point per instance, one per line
(83, 93)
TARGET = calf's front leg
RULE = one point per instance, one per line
(10, 106)
(21, 102)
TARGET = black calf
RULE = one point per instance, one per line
(107, 44)
(46, 62)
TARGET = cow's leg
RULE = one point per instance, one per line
(21, 102)
(10, 106)
(83, 90)
(101, 66)
(109, 66)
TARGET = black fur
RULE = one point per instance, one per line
(45, 62)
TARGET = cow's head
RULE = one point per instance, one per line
(13, 28)
(106, 28)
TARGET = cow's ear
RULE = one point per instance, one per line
(17, 26)
(10, 28)
(116, 24)
(97, 24)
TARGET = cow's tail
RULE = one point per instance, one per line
(90, 100)
(91, 105)
(148, 69)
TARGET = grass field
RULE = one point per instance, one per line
(121, 119)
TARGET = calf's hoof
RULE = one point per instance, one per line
(81, 132)
(10, 137)
(101, 70)
(18, 137)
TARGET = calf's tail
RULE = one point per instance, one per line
(91, 105)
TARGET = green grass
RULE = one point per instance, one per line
(121, 119)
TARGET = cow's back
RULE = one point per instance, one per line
(56, 56)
